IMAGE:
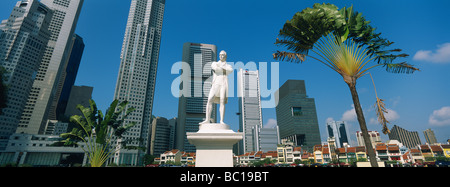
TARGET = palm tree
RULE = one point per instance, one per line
(98, 130)
(343, 41)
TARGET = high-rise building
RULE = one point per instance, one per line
(56, 56)
(410, 139)
(429, 136)
(137, 73)
(250, 117)
(296, 115)
(23, 40)
(194, 90)
(268, 139)
(67, 81)
(160, 139)
(79, 95)
(338, 130)
(374, 138)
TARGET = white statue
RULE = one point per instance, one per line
(219, 87)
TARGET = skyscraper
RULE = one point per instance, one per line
(407, 138)
(429, 136)
(194, 91)
(23, 40)
(67, 80)
(56, 56)
(296, 115)
(250, 117)
(137, 74)
(338, 130)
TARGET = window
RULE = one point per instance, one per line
(297, 111)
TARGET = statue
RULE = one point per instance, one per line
(219, 87)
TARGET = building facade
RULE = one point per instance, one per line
(23, 40)
(338, 130)
(250, 117)
(429, 136)
(160, 139)
(407, 138)
(137, 74)
(55, 59)
(194, 89)
(68, 78)
(296, 115)
(374, 138)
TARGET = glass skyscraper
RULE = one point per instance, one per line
(137, 74)
(296, 115)
(338, 130)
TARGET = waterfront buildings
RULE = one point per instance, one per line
(296, 115)
(23, 40)
(136, 79)
(374, 138)
(194, 90)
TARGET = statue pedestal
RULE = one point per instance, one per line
(214, 143)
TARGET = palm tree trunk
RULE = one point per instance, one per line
(362, 124)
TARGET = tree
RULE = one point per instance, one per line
(98, 130)
(344, 41)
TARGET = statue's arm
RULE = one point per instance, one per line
(228, 69)
(215, 66)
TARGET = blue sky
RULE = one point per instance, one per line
(247, 31)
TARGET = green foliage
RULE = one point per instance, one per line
(97, 130)
(300, 34)
(148, 159)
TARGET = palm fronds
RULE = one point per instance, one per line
(381, 110)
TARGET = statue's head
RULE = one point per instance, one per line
(223, 56)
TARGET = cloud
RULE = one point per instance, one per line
(329, 119)
(440, 117)
(349, 115)
(271, 123)
(441, 55)
(391, 115)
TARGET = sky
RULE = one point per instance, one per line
(247, 30)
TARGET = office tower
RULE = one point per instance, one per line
(23, 39)
(250, 118)
(338, 130)
(67, 81)
(56, 56)
(173, 126)
(407, 138)
(136, 79)
(268, 139)
(429, 136)
(194, 90)
(79, 95)
(161, 135)
(374, 138)
(296, 115)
